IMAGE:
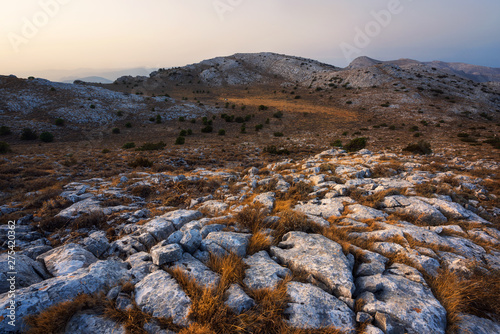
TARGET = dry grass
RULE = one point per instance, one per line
(54, 318)
(292, 221)
(374, 200)
(231, 269)
(259, 241)
(477, 294)
(251, 217)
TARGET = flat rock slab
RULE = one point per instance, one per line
(320, 257)
(195, 269)
(312, 308)
(401, 301)
(160, 295)
(214, 207)
(98, 277)
(85, 323)
(416, 208)
(470, 324)
(88, 205)
(166, 254)
(222, 243)
(361, 212)
(181, 217)
(66, 259)
(263, 272)
(326, 208)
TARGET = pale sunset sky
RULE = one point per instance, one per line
(45, 37)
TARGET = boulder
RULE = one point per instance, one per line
(237, 300)
(96, 243)
(181, 217)
(160, 295)
(214, 207)
(263, 272)
(326, 208)
(267, 200)
(470, 324)
(159, 228)
(191, 240)
(28, 272)
(222, 243)
(401, 301)
(165, 254)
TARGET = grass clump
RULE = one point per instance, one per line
(5, 130)
(180, 140)
(271, 149)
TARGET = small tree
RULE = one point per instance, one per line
(356, 144)
(46, 137)
(180, 140)
(28, 134)
(222, 132)
(59, 122)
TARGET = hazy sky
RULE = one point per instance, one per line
(42, 35)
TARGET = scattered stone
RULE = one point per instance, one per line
(166, 254)
(263, 272)
(191, 240)
(222, 243)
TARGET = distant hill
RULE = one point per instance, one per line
(93, 79)
(472, 72)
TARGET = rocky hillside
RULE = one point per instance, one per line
(373, 243)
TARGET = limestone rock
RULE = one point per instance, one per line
(263, 272)
(66, 259)
(320, 257)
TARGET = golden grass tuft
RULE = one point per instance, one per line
(54, 318)
(259, 241)
(291, 220)
(231, 269)
(477, 293)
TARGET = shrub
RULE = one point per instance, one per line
(204, 120)
(183, 119)
(46, 137)
(151, 119)
(127, 146)
(193, 121)
(278, 134)
(128, 125)
(297, 97)
(268, 121)
(337, 143)
(495, 142)
(180, 140)
(348, 102)
(259, 127)
(59, 121)
(239, 119)
(4, 147)
(115, 131)
(386, 105)
(392, 127)
(271, 149)
(414, 128)
(278, 114)
(119, 113)
(356, 144)
(158, 119)
(189, 132)
(140, 162)
(28, 134)
(183, 133)
(263, 107)
(421, 147)
(222, 132)
(92, 106)
(152, 146)
(5, 130)
(207, 129)
(105, 151)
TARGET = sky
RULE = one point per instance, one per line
(54, 38)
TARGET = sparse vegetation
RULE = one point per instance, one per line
(4, 147)
(152, 146)
(180, 140)
(115, 131)
(356, 144)
(46, 137)
(127, 146)
(28, 134)
(422, 147)
(140, 162)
